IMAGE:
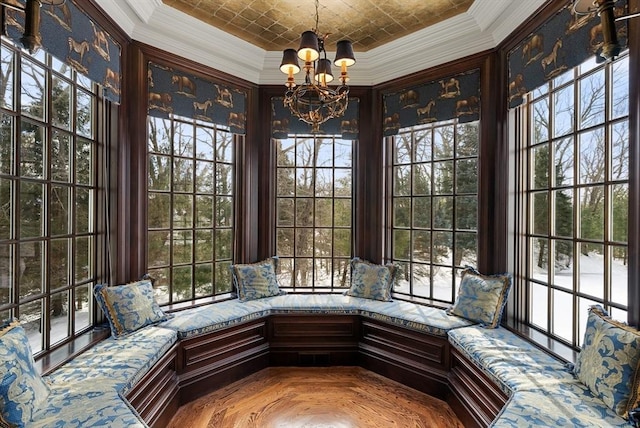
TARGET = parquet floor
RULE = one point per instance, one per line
(316, 397)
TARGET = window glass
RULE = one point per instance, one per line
(314, 199)
(434, 207)
(575, 194)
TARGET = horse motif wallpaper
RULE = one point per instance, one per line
(73, 38)
(453, 97)
(563, 42)
(283, 123)
(172, 91)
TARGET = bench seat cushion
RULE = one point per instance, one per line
(510, 361)
(205, 319)
(571, 406)
(117, 364)
(85, 404)
(422, 318)
(315, 304)
(542, 390)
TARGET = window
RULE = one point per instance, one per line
(50, 244)
(573, 170)
(314, 199)
(434, 207)
(190, 208)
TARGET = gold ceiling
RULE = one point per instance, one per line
(277, 24)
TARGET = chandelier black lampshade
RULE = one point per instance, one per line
(290, 62)
(323, 71)
(344, 54)
(309, 46)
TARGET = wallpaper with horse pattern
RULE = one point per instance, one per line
(283, 123)
(453, 97)
(172, 91)
(72, 37)
(563, 42)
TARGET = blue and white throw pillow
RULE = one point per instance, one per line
(129, 307)
(371, 281)
(256, 280)
(22, 390)
(481, 298)
(608, 361)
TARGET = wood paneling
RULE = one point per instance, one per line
(210, 361)
(473, 396)
(325, 340)
(155, 397)
(418, 360)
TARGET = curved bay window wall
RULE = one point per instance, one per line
(434, 207)
(314, 201)
(573, 169)
(51, 191)
(190, 214)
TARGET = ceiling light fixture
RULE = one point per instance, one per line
(604, 8)
(31, 39)
(314, 102)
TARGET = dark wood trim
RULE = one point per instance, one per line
(47, 363)
(493, 169)
(474, 398)
(155, 396)
(633, 317)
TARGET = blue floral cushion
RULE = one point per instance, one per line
(22, 390)
(371, 281)
(608, 361)
(256, 280)
(129, 307)
(481, 298)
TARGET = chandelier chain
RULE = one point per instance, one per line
(317, 17)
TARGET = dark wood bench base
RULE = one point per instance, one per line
(202, 364)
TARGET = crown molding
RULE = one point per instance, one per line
(485, 24)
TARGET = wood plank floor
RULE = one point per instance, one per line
(315, 397)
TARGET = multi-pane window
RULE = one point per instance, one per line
(434, 207)
(574, 193)
(190, 208)
(49, 194)
(314, 199)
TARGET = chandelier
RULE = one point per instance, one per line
(313, 101)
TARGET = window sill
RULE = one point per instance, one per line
(549, 345)
(52, 360)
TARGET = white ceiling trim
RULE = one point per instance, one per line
(482, 27)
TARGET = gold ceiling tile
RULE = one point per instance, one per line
(275, 24)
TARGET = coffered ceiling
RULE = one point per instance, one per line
(392, 38)
(277, 24)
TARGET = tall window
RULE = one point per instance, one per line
(190, 208)
(314, 199)
(574, 191)
(49, 193)
(434, 207)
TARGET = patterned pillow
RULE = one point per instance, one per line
(481, 298)
(371, 281)
(608, 361)
(22, 389)
(256, 280)
(129, 307)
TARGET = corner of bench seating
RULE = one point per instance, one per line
(542, 390)
(89, 390)
(201, 320)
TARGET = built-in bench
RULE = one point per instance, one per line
(533, 388)
(489, 376)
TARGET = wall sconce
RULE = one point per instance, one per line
(31, 39)
(604, 8)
